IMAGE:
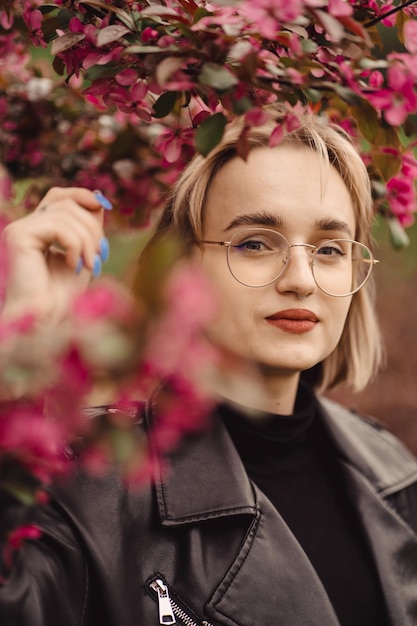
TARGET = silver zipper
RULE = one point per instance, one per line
(166, 615)
(169, 610)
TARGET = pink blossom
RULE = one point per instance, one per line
(256, 117)
(276, 135)
(407, 61)
(410, 36)
(376, 79)
(33, 20)
(340, 8)
(268, 15)
(103, 300)
(185, 411)
(6, 20)
(402, 199)
(16, 539)
(399, 99)
(126, 77)
(295, 76)
(409, 166)
(401, 191)
(173, 145)
(169, 144)
(192, 298)
(149, 35)
(32, 439)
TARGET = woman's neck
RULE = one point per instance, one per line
(275, 394)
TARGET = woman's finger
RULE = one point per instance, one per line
(90, 200)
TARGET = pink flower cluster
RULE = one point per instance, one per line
(147, 85)
(401, 191)
(171, 66)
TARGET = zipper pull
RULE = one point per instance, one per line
(166, 615)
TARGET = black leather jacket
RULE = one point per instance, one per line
(207, 539)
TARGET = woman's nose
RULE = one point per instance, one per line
(298, 276)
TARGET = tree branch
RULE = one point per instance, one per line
(375, 20)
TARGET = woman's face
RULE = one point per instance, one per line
(286, 189)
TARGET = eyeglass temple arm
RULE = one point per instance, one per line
(219, 243)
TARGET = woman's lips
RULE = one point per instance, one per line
(294, 321)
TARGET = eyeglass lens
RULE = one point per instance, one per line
(257, 257)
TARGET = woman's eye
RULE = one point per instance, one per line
(252, 245)
(331, 251)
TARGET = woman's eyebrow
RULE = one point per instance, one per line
(257, 218)
(263, 218)
(331, 224)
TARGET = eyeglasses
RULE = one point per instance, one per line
(259, 256)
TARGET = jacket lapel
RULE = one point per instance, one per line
(377, 466)
(271, 581)
(270, 574)
(206, 480)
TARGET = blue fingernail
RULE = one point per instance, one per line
(97, 266)
(105, 202)
(104, 249)
(80, 265)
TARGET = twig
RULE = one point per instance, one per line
(375, 20)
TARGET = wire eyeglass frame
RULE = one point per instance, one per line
(229, 245)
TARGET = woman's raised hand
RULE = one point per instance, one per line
(52, 253)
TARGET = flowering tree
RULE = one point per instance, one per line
(146, 84)
(130, 92)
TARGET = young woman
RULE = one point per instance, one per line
(306, 516)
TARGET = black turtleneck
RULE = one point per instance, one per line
(293, 461)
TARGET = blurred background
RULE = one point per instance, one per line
(392, 397)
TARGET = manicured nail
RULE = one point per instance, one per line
(105, 202)
(104, 249)
(80, 265)
(97, 266)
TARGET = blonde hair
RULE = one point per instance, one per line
(358, 354)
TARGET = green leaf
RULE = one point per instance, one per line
(398, 236)
(308, 46)
(388, 165)
(23, 493)
(111, 33)
(313, 95)
(345, 93)
(60, 21)
(372, 64)
(65, 42)
(210, 133)
(48, 8)
(217, 76)
(165, 103)
(157, 10)
(157, 262)
(142, 49)
(103, 71)
(127, 18)
(123, 444)
(366, 118)
(200, 13)
(59, 66)
(330, 24)
(242, 105)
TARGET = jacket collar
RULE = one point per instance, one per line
(369, 448)
(206, 479)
